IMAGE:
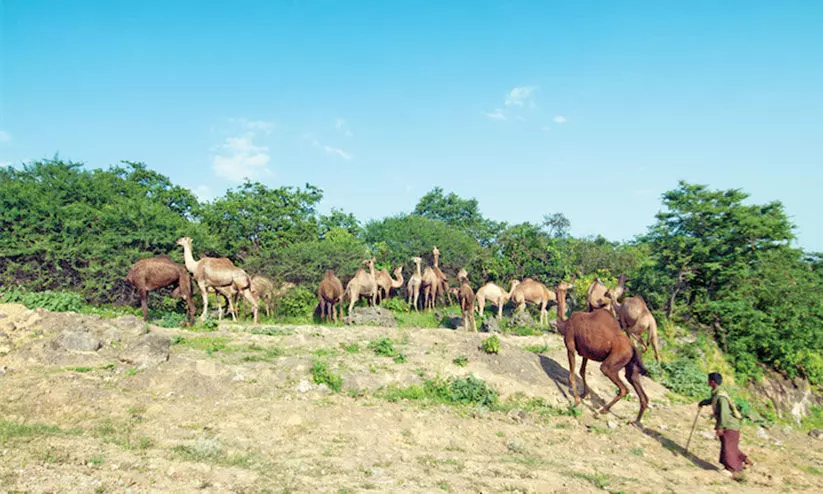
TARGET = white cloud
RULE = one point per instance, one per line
(560, 119)
(343, 127)
(4, 137)
(264, 126)
(4, 164)
(239, 158)
(203, 192)
(328, 149)
(497, 114)
(520, 95)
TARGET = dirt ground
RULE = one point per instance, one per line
(93, 405)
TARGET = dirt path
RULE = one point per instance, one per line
(232, 411)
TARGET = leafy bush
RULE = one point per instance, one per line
(383, 347)
(682, 376)
(298, 302)
(352, 348)
(321, 374)
(461, 361)
(396, 304)
(172, 320)
(472, 390)
(536, 348)
(60, 301)
(454, 391)
(491, 344)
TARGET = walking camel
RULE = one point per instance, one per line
(414, 283)
(362, 285)
(385, 282)
(493, 294)
(635, 318)
(220, 274)
(329, 294)
(150, 274)
(533, 292)
(597, 336)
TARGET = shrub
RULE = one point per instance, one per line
(396, 304)
(298, 302)
(461, 361)
(384, 347)
(472, 390)
(172, 320)
(491, 344)
(682, 376)
(321, 374)
(61, 301)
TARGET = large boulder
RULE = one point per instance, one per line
(77, 341)
(451, 321)
(148, 351)
(371, 316)
(792, 398)
(522, 319)
(490, 325)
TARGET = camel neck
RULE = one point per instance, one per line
(561, 305)
(398, 281)
(437, 261)
(419, 274)
(191, 264)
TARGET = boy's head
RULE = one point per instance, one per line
(715, 379)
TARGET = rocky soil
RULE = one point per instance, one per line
(113, 405)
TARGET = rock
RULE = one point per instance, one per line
(5, 343)
(707, 435)
(522, 319)
(76, 341)
(130, 324)
(148, 351)
(787, 430)
(490, 325)
(371, 316)
(664, 427)
(791, 397)
(761, 433)
(303, 386)
(111, 335)
(816, 433)
(451, 321)
(611, 424)
(517, 415)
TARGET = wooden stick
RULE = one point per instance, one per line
(692, 432)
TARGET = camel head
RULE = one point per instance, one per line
(184, 242)
(435, 252)
(369, 262)
(513, 284)
(462, 274)
(564, 286)
(417, 260)
(398, 270)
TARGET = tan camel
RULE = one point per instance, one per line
(598, 296)
(159, 272)
(597, 336)
(414, 283)
(261, 286)
(362, 285)
(385, 282)
(222, 275)
(493, 294)
(444, 280)
(635, 318)
(329, 294)
(532, 292)
(430, 285)
(465, 296)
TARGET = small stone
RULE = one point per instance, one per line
(238, 378)
(707, 435)
(816, 433)
(761, 433)
(611, 424)
(303, 387)
(788, 430)
(664, 427)
(778, 442)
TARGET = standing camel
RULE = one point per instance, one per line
(533, 292)
(597, 336)
(465, 296)
(598, 296)
(414, 283)
(430, 285)
(444, 280)
(329, 294)
(362, 285)
(635, 318)
(385, 282)
(493, 294)
(220, 274)
(159, 272)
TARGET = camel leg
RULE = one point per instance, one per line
(583, 377)
(354, 294)
(144, 303)
(633, 376)
(500, 309)
(205, 300)
(544, 314)
(609, 370)
(481, 304)
(571, 377)
(248, 295)
(653, 339)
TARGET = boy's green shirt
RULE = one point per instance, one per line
(722, 407)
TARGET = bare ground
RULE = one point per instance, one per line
(248, 418)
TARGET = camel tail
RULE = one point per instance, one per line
(637, 361)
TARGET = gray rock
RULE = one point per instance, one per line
(490, 325)
(371, 316)
(522, 319)
(816, 433)
(148, 351)
(76, 341)
(131, 325)
(303, 386)
(761, 433)
(451, 321)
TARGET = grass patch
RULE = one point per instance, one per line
(352, 348)
(491, 344)
(321, 374)
(273, 331)
(537, 406)
(209, 450)
(525, 331)
(121, 435)
(262, 354)
(208, 344)
(16, 430)
(461, 361)
(536, 348)
(384, 347)
(453, 391)
(422, 319)
(810, 469)
(599, 480)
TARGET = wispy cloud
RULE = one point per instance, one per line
(560, 119)
(520, 96)
(328, 149)
(343, 127)
(203, 192)
(4, 137)
(497, 114)
(264, 126)
(4, 164)
(239, 158)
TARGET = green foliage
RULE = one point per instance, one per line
(172, 320)
(351, 348)
(299, 301)
(463, 391)
(383, 346)
(681, 375)
(814, 420)
(536, 348)
(396, 304)
(322, 375)
(207, 344)
(11, 430)
(491, 344)
(461, 361)
(60, 301)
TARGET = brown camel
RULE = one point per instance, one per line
(414, 283)
(444, 280)
(222, 275)
(385, 282)
(159, 272)
(533, 292)
(465, 296)
(431, 286)
(635, 318)
(598, 296)
(597, 336)
(362, 285)
(329, 294)
(493, 294)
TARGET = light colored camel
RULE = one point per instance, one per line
(329, 294)
(465, 297)
(385, 282)
(414, 283)
(159, 272)
(444, 280)
(362, 285)
(598, 296)
(494, 295)
(532, 292)
(222, 275)
(597, 336)
(635, 319)
(430, 285)
(261, 286)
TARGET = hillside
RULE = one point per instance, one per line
(102, 405)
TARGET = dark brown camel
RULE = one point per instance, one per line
(597, 336)
(465, 296)
(329, 294)
(159, 272)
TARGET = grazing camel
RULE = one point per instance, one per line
(465, 296)
(635, 318)
(159, 272)
(414, 283)
(220, 274)
(329, 294)
(597, 336)
(494, 295)
(598, 296)
(385, 282)
(362, 285)
(533, 292)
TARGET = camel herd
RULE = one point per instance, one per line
(609, 331)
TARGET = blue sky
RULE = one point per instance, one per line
(592, 109)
